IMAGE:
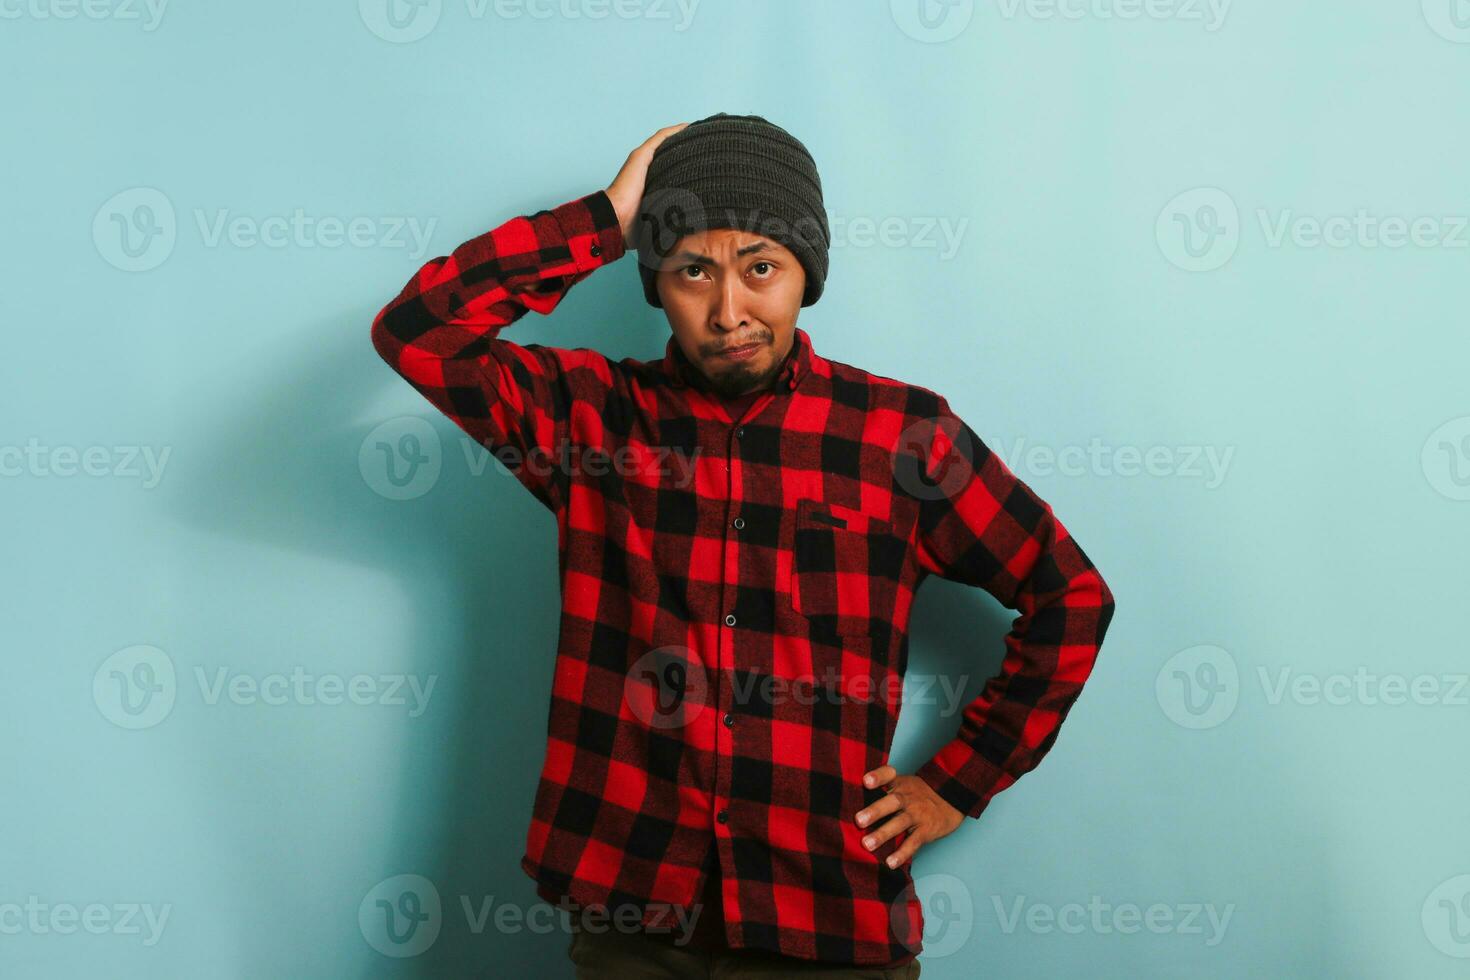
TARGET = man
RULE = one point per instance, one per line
(736, 585)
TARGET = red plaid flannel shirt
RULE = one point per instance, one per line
(735, 600)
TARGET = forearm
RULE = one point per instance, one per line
(456, 304)
(440, 332)
(1050, 653)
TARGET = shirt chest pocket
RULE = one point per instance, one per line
(844, 566)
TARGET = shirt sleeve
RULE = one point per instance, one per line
(440, 333)
(981, 525)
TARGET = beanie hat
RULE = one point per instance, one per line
(742, 172)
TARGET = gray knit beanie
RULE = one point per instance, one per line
(742, 172)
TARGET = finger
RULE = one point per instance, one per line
(905, 851)
(895, 824)
(880, 776)
(664, 134)
(878, 808)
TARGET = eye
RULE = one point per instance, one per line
(688, 267)
(759, 265)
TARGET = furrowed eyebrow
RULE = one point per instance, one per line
(688, 256)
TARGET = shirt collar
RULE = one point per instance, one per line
(800, 361)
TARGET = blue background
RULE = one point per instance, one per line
(1115, 188)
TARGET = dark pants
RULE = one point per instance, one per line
(613, 954)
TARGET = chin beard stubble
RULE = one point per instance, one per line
(740, 380)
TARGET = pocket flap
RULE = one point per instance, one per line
(812, 512)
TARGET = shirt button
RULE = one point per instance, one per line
(729, 720)
(740, 432)
(723, 816)
(730, 620)
(739, 523)
(596, 250)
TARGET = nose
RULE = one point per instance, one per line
(730, 312)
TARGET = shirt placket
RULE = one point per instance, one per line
(730, 580)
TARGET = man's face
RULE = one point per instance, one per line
(726, 289)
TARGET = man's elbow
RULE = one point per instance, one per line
(384, 342)
(1102, 596)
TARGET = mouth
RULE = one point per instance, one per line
(739, 352)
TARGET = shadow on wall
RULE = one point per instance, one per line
(955, 645)
(476, 560)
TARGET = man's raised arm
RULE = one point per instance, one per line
(441, 331)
